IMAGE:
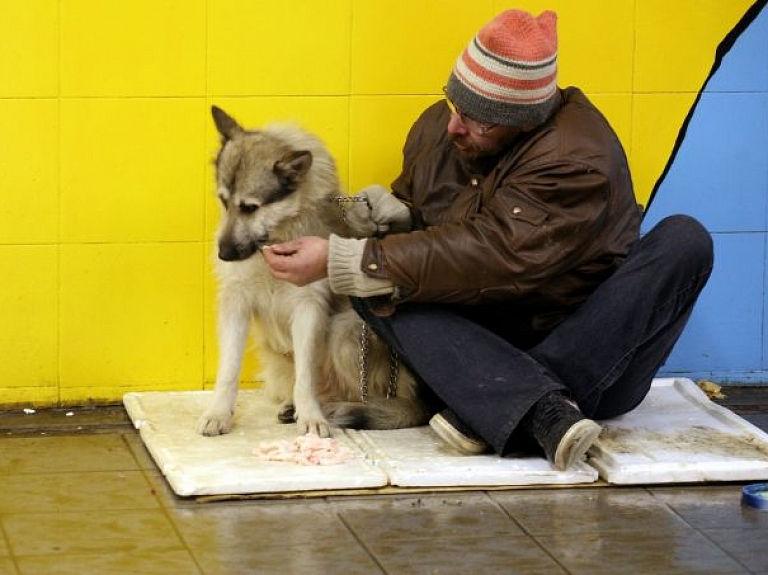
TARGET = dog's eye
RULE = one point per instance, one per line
(248, 208)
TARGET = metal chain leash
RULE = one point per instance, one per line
(341, 200)
(362, 356)
(394, 366)
(362, 363)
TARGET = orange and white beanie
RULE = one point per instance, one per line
(508, 73)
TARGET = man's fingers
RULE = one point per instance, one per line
(285, 249)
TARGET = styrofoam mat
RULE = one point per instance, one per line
(675, 435)
(678, 435)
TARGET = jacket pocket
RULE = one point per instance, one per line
(523, 210)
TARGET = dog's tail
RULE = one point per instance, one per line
(377, 413)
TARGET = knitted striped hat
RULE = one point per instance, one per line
(508, 73)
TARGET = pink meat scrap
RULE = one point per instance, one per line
(305, 450)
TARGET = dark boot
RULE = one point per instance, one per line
(562, 431)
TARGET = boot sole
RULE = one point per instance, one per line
(575, 443)
(453, 437)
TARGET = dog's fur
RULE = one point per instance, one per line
(276, 184)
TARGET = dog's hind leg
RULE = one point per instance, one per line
(308, 334)
(234, 322)
(278, 374)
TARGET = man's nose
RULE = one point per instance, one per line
(456, 126)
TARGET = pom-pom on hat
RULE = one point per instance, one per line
(508, 73)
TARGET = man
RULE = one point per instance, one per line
(511, 277)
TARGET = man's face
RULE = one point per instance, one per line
(474, 140)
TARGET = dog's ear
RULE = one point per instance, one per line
(293, 166)
(225, 124)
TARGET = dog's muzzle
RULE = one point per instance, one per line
(231, 252)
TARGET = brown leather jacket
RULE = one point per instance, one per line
(538, 228)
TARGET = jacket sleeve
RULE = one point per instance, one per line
(531, 228)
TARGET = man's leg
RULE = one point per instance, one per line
(609, 350)
(488, 383)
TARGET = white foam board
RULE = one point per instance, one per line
(416, 457)
(678, 435)
(226, 464)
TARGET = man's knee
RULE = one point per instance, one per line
(687, 241)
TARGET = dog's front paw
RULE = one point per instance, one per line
(215, 422)
(316, 426)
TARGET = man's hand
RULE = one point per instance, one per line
(380, 212)
(300, 261)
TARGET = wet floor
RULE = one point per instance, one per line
(79, 494)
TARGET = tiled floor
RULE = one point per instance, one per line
(82, 496)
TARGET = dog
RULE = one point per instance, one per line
(275, 184)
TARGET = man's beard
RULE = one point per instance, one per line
(468, 149)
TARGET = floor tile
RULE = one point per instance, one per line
(425, 517)
(140, 452)
(287, 524)
(587, 510)
(747, 546)
(711, 506)
(157, 563)
(89, 532)
(329, 557)
(54, 492)
(107, 452)
(7, 567)
(672, 552)
(165, 495)
(461, 555)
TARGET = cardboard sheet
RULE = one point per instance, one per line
(675, 435)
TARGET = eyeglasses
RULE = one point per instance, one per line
(473, 126)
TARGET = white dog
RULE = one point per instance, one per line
(276, 184)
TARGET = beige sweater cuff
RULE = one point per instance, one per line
(345, 257)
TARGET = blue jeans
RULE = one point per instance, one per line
(604, 355)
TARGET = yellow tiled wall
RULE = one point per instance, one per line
(105, 146)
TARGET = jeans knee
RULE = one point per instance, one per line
(690, 240)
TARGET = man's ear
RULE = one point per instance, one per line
(226, 125)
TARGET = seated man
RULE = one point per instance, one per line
(511, 278)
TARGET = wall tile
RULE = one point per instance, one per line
(29, 51)
(595, 42)
(136, 48)
(405, 47)
(714, 177)
(675, 41)
(727, 341)
(132, 170)
(256, 48)
(656, 123)
(131, 315)
(29, 178)
(743, 69)
(29, 311)
(379, 126)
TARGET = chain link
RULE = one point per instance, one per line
(394, 366)
(362, 364)
(341, 200)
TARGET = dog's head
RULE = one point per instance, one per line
(257, 175)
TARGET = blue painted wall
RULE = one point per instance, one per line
(719, 174)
